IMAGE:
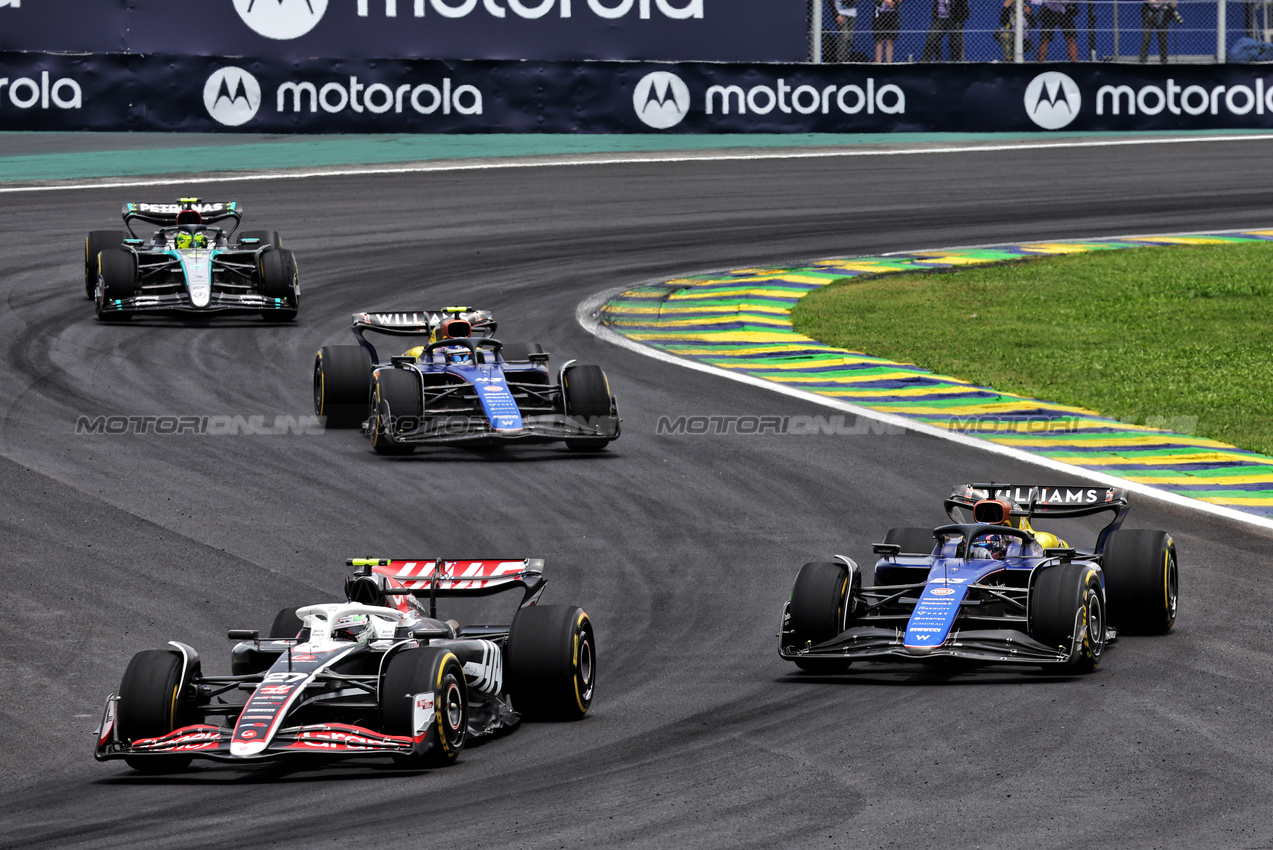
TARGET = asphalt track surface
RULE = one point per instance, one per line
(682, 548)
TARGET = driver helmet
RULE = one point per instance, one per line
(458, 355)
(353, 627)
(184, 239)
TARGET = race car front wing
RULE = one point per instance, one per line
(330, 740)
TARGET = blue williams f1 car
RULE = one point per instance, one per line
(459, 386)
(376, 676)
(189, 266)
(991, 591)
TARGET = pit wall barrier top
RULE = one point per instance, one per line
(159, 92)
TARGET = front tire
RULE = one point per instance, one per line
(1141, 580)
(820, 608)
(342, 383)
(150, 706)
(96, 242)
(280, 280)
(1065, 600)
(396, 404)
(118, 271)
(586, 395)
(413, 679)
(550, 662)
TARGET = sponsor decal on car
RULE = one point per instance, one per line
(941, 591)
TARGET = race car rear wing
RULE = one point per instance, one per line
(1044, 500)
(434, 577)
(419, 323)
(165, 215)
(414, 322)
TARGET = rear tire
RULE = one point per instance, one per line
(118, 270)
(286, 624)
(411, 676)
(550, 662)
(342, 385)
(150, 706)
(586, 395)
(396, 405)
(96, 242)
(1141, 580)
(280, 279)
(1059, 598)
(820, 607)
(267, 237)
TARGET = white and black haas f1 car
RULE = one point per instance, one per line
(189, 265)
(991, 591)
(459, 385)
(377, 676)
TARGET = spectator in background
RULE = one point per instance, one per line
(1006, 35)
(1058, 15)
(846, 21)
(1155, 15)
(888, 23)
(948, 22)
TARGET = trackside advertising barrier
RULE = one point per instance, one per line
(739, 30)
(210, 94)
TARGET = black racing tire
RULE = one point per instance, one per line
(820, 608)
(96, 242)
(118, 269)
(342, 385)
(914, 541)
(267, 237)
(550, 662)
(286, 624)
(150, 706)
(410, 675)
(1141, 580)
(396, 404)
(585, 393)
(1059, 598)
(280, 279)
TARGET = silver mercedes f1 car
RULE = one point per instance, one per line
(189, 266)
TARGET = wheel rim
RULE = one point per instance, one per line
(585, 662)
(318, 387)
(454, 707)
(1095, 623)
(1173, 580)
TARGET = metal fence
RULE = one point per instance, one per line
(1172, 31)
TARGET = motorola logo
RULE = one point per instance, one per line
(232, 96)
(281, 19)
(1052, 100)
(661, 100)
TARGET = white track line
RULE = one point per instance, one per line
(625, 159)
(587, 314)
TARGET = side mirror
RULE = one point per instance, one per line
(243, 634)
(888, 550)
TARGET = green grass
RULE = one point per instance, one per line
(1171, 337)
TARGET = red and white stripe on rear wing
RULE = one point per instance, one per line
(453, 576)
